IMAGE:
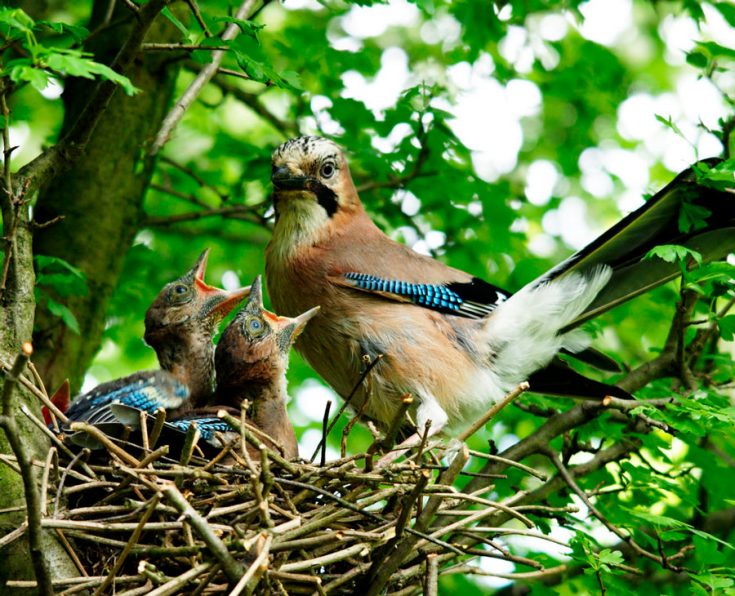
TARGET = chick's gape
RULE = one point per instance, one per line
(457, 344)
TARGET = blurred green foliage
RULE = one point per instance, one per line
(293, 69)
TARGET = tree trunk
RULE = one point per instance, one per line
(101, 196)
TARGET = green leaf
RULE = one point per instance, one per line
(697, 59)
(721, 176)
(63, 278)
(15, 18)
(692, 216)
(726, 326)
(74, 63)
(22, 71)
(78, 33)
(663, 522)
(727, 10)
(672, 253)
(247, 27)
(669, 123)
(64, 314)
(166, 12)
(715, 50)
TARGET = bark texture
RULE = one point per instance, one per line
(101, 196)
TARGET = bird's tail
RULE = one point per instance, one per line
(523, 333)
(665, 219)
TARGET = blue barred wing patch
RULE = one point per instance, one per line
(147, 391)
(207, 426)
(474, 299)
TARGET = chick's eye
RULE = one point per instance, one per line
(327, 170)
(180, 293)
(255, 326)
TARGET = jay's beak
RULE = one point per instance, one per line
(283, 179)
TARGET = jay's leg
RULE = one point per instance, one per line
(429, 409)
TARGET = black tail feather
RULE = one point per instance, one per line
(560, 379)
(623, 246)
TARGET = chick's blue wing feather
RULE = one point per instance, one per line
(146, 391)
(207, 426)
(474, 299)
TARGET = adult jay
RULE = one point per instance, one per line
(452, 341)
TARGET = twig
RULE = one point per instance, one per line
(325, 424)
(348, 399)
(71, 147)
(243, 212)
(287, 129)
(233, 570)
(12, 432)
(134, 537)
(382, 568)
(256, 569)
(257, 443)
(522, 388)
(173, 47)
(194, 7)
(627, 538)
(191, 93)
(431, 584)
(173, 586)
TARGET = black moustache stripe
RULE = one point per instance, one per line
(325, 196)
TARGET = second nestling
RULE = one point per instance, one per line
(251, 360)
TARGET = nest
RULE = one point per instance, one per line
(244, 520)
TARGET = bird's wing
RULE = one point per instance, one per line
(662, 220)
(147, 391)
(365, 259)
(207, 426)
(474, 299)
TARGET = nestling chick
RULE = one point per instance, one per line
(180, 324)
(251, 361)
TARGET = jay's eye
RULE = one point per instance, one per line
(254, 326)
(327, 170)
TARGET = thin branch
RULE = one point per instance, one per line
(230, 566)
(627, 538)
(492, 412)
(251, 100)
(192, 92)
(176, 47)
(194, 7)
(241, 212)
(347, 400)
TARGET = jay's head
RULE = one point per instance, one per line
(310, 176)
(189, 305)
(256, 344)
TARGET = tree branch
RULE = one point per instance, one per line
(33, 500)
(70, 148)
(243, 212)
(192, 92)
